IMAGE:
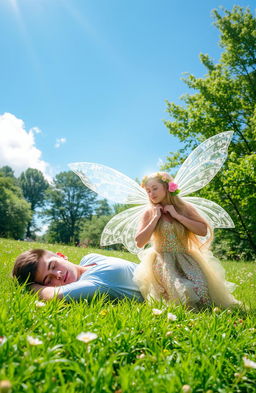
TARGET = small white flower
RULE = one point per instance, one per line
(156, 311)
(34, 341)
(39, 304)
(141, 356)
(248, 363)
(86, 337)
(3, 339)
(5, 386)
(186, 389)
(171, 317)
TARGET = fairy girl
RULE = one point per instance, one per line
(179, 266)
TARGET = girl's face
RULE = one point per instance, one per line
(156, 191)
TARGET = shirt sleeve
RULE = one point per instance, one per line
(82, 289)
(92, 258)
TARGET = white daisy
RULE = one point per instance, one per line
(186, 389)
(3, 339)
(39, 304)
(156, 311)
(248, 363)
(171, 316)
(86, 337)
(34, 341)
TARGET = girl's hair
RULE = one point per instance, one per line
(26, 265)
(187, 238)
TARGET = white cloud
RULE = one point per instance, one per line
(17, 146)
(59, 142)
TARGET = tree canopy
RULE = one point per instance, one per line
(33, 185)
(15, 212)
(69, 203)
(223, 100)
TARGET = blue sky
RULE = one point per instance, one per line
(87, 80)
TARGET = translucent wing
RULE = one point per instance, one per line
(109, 183)
(216, 216)
(122, 228)
(203, 163)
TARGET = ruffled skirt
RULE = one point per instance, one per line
(192, 278)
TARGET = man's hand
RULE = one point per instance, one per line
(36, 287)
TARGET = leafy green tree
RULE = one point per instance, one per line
(7, 171)
(57, 233)
(69, 203)
(120, 207)
(91, 230)
(15, 212)
(223, 100)
(33, 185)
(103, 208)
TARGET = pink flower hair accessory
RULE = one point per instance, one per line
(173, 188)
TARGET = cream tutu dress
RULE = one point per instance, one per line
(170, 272)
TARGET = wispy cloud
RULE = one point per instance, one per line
(60, 142)
(18, 146)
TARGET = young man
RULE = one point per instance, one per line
(52, 275)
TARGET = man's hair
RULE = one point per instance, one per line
(26, 265)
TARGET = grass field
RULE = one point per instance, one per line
(134, 350)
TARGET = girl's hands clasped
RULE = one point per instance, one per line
(171, 210)
(157, 211)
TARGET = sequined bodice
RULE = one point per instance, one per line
(167, 241)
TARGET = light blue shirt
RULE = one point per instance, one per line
(109, 275)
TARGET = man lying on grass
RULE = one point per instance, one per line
(51, 275)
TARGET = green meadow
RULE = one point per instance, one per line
(134, 347)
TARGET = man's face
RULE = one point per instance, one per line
(55, 271)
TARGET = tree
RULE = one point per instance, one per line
(15, 212)
(224, 100)
(103, 208)
(7, 171)
(33, 185)
(91, 230)
(120, 207)
(70, 202)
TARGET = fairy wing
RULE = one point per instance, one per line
(122, 228)
(214, 214)
(114, 185)
(203, 163)
(109, 183)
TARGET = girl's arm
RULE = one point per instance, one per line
(193, 221)
(147, 226)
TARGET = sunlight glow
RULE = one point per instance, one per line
(14, 6)
(26, 38)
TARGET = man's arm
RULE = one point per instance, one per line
(79, 289)
(46, 293)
